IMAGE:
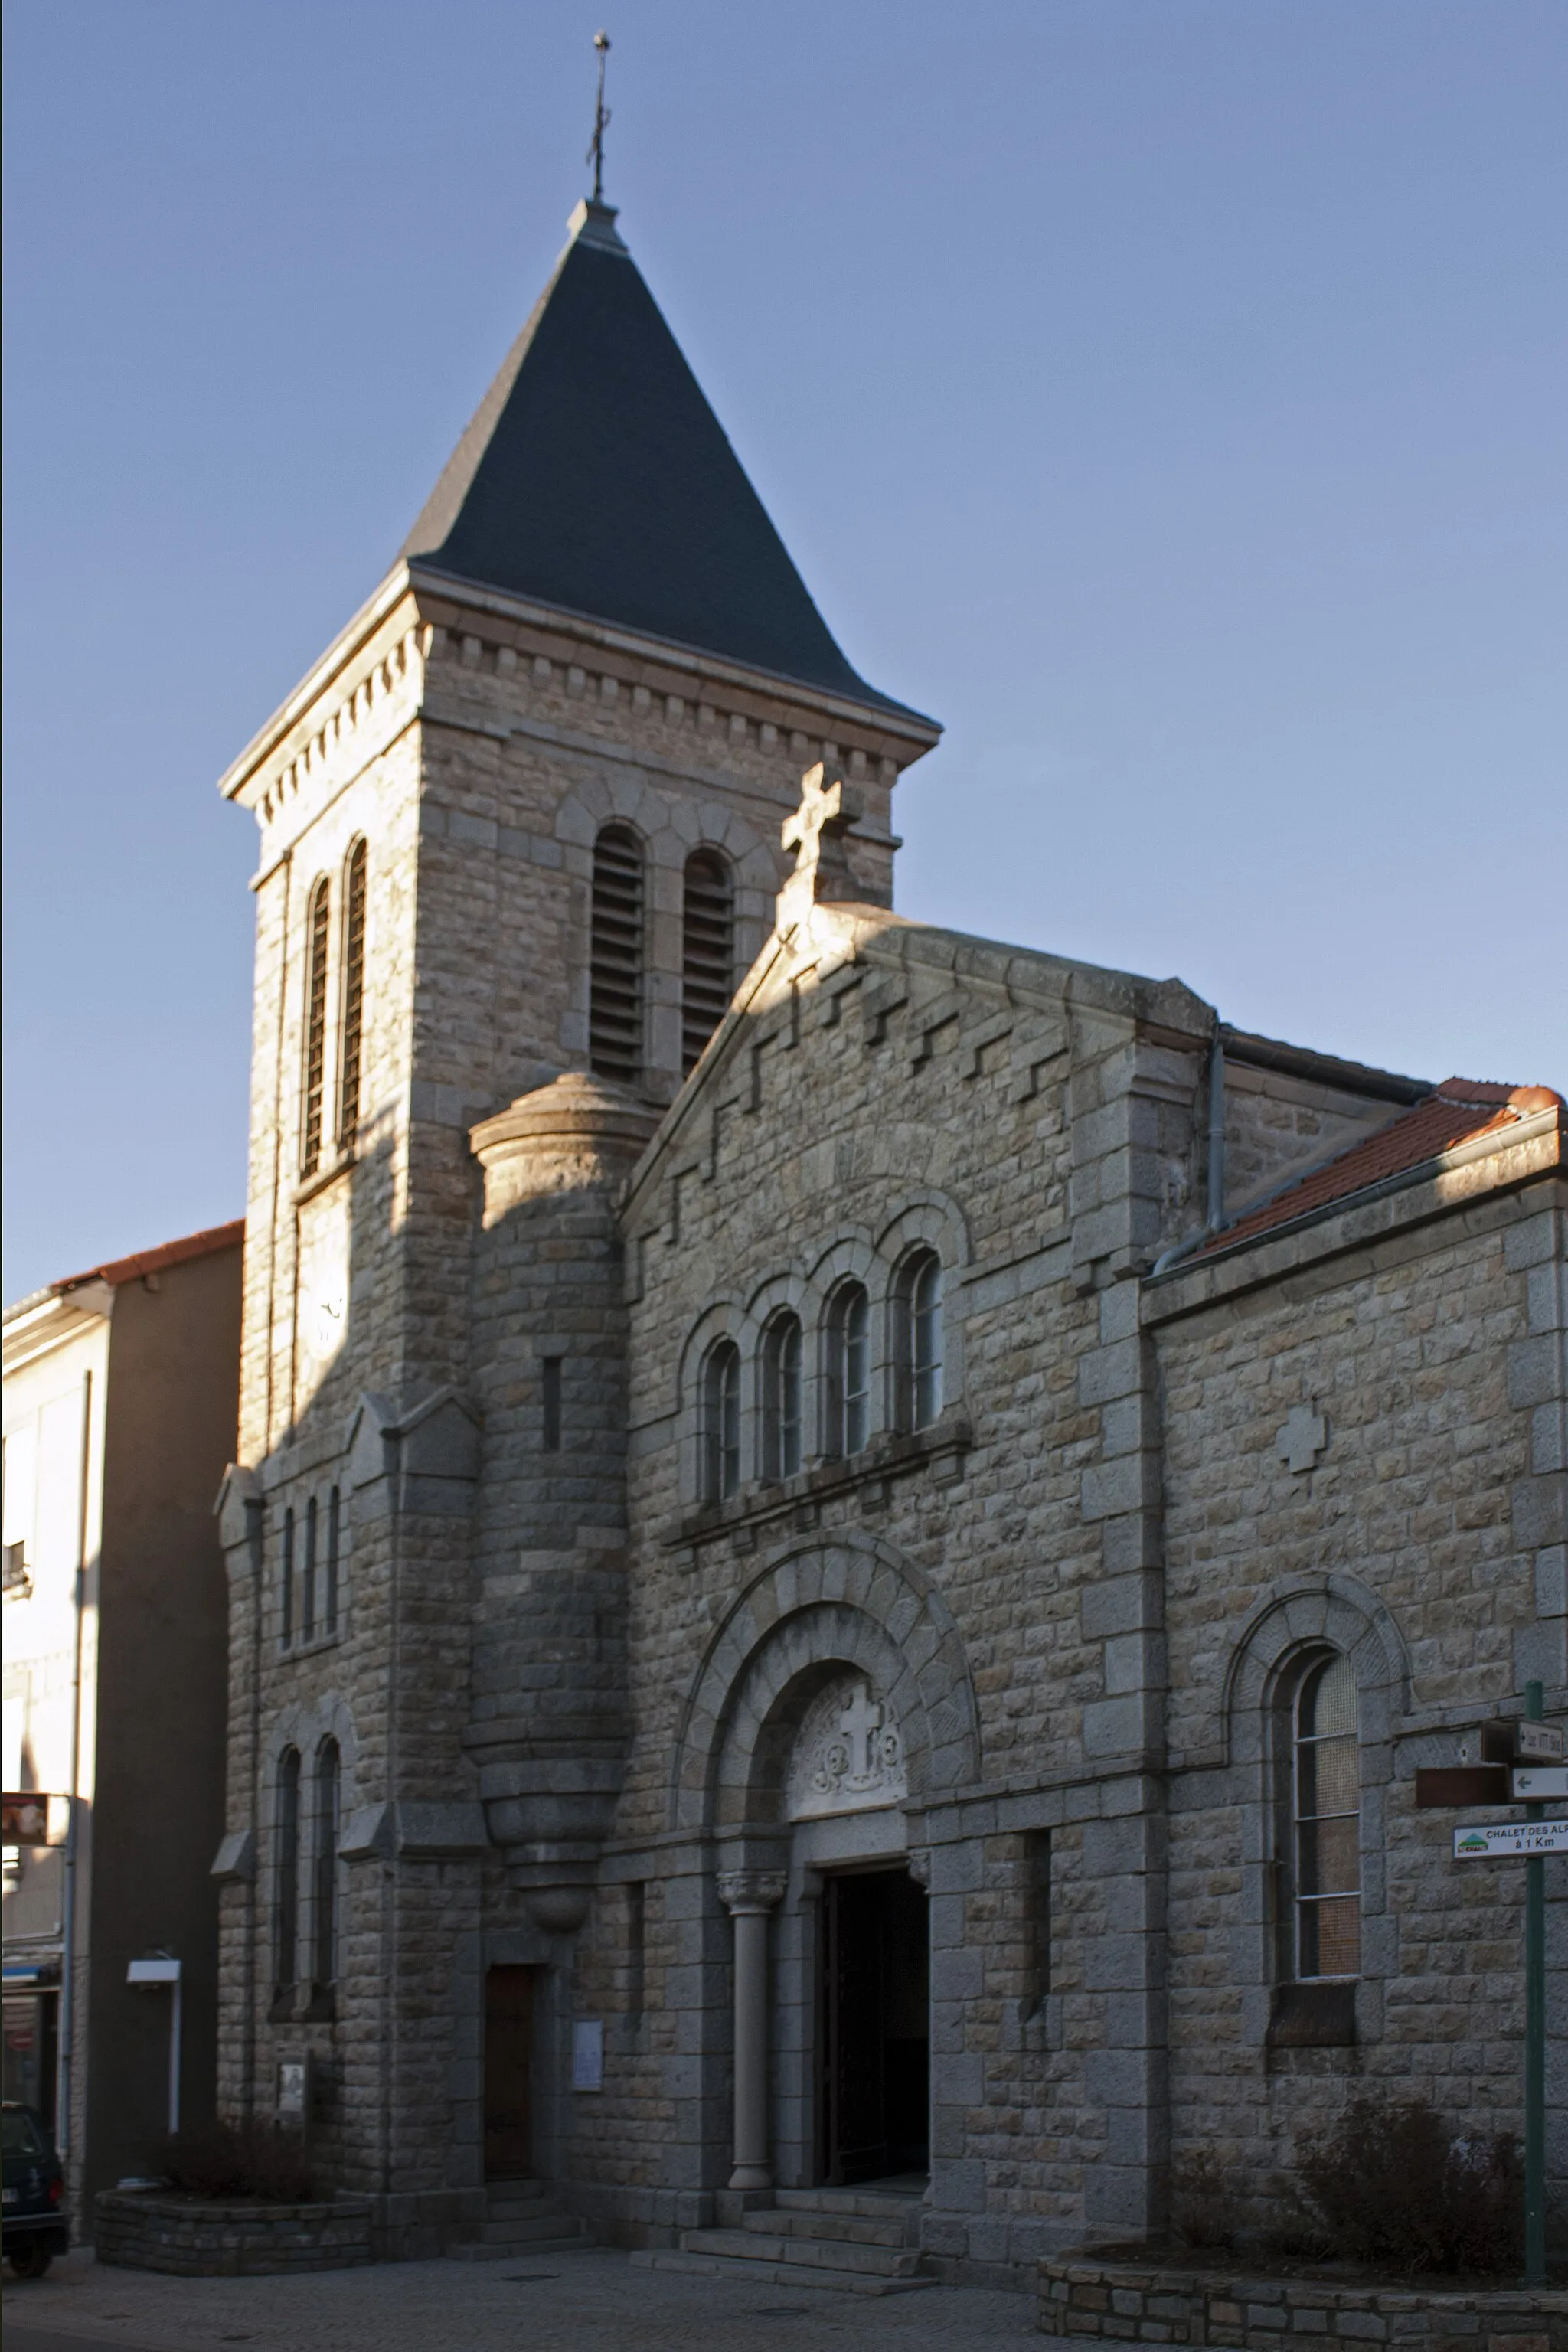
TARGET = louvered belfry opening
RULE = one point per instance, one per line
(354, 997)
(615, 992)
(708, 950)
(315, 1029)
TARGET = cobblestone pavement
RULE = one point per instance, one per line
(590, 2302)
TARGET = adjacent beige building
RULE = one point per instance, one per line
(846, 1538)
(121, 1396)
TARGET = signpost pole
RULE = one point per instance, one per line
(1534, 2038)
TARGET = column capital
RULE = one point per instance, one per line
(750, 1891)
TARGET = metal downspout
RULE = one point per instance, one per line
(65, 2056)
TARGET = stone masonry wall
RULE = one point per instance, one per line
(1409, 1349)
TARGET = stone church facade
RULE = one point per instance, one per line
(847, 1538)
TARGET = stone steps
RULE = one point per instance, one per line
(855, 2241)
(871, 2204)
(769, 2273)
(855, 2229)
(754, 2243)
(523, 2218)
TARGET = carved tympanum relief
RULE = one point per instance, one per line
(848, 1755)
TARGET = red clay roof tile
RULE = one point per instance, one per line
(152, 1261)
(1460, 1111)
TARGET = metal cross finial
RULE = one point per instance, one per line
(595, 155)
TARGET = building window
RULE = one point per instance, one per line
(308, 1580)
(849, 1370)
(550, 1386)
(919, 1301)
(329, 1826)
(318, 932)
(781, 1398)
(708, 950)
(286, 1578)
(721, 1421)
(1326, 1822)
(287, 1856)
(334, 1557)
(615, 982)
(354, 997)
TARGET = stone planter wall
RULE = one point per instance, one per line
(1087, 2293)
(138, 2231)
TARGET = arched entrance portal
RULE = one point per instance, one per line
(834, 1703)
(873, 2010)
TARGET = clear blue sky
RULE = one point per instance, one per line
(1169, 396)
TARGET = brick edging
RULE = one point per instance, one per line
(227, 2238)
(1084, 2294)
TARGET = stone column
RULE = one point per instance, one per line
(749, 1896)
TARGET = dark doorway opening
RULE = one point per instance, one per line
(875, 2027)
(509, 2074)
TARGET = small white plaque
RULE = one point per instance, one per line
(1542, 1743)
(1494, 1838)
(587, 2053)
(1539, 1784)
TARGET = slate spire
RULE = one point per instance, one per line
(595, 477)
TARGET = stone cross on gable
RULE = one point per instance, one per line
(828, 808)
(861, 1720)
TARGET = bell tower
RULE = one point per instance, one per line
(520, 837)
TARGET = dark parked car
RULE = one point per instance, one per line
(37, 2228)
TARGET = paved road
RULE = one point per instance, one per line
(590, 2302)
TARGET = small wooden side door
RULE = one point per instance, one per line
(508, 2072)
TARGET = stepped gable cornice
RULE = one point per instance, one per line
(1030, 998)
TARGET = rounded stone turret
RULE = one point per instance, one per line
(550, 1720)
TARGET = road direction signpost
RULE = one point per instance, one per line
(1490, 1839)
(1520, 1763)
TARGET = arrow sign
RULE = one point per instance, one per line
(1539, 1784)
(1482, 1845)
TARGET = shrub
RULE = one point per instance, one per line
(1394, 2185)
(1203, 2209)
(257, 2162)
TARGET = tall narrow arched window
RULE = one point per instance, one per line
(849, 1370)
(335, 1558)
(286, 1580)
(308, 1580)
(286, 1922)
(721, 1412)
(706, 951)
(614, 977)
(354, 885)
(318, 935)
(918, 1303)
(328, 1827)
(781, 1398)
(1326, 1821)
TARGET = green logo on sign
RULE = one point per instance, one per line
(1474, 1844)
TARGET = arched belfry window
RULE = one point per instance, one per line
(720, 1415)
(1325, 1808)
(615, 962)
(849, 1370)
(318, 934)
(782, 1398)
(354, 886)
(708, 951)
(919, 1338)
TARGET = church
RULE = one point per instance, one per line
(847, 1538)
